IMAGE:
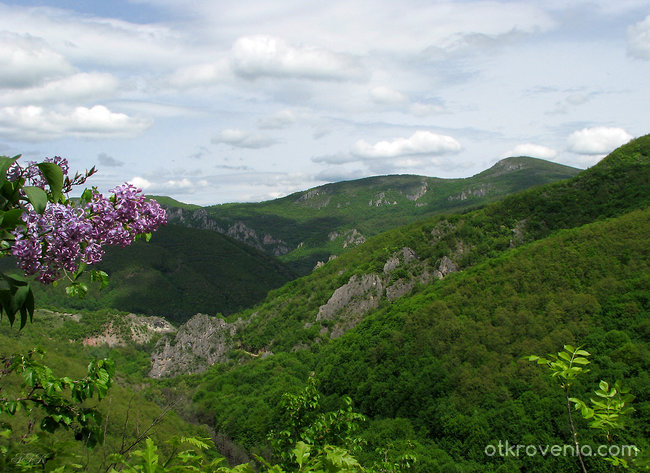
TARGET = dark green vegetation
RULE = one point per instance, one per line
(440, 371)
(442, 367)
(180, 272)
(312, 225)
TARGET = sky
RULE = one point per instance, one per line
(237, 101)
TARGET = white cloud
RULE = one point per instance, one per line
(419, 143)
(76, 87)
(26, 61)
(33, 123)
(341, 158)
(140, 182)
(386, 95)
(267, 56)
(597, 141)
(184, 183)
(96, 40)
(638, 39)
(532, 150)
(244, 139)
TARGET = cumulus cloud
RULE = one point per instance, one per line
(140, 182)
(26, 61)
(76, 87)
(244, 139)
(168, 186)
(267, 56)
(638, 39)
(33, 123)
(419, 143)
(532, 150)
(597, 141)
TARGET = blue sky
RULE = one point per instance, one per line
(213, 102)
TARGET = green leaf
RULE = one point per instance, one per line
(48, 424)
(5, 164)
(581, 361)
(54, 176)
(99, 276)
(301, 452)
(11, 218)
(37, 197)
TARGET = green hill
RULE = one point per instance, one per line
(311, 226)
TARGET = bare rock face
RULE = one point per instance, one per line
(199, 343)
(418, 192)
(358, 296)
(415, 272)
(404, 256)
(447, 266)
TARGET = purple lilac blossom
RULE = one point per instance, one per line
(32, 173)
(65, 235)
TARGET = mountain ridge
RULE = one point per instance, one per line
(317, 224)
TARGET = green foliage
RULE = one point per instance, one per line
(607, 414)
(566, 365)
(44, 391)
(303, 421)
(148, 459)
(60, 403)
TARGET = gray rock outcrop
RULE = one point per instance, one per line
(199, 343)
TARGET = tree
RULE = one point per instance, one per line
(607, 413)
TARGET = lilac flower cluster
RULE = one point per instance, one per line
(32, 174)
(64, 236)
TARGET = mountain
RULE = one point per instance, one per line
(318, 224)
(425, 326)
(180, 272)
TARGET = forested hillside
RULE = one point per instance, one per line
(439, 367)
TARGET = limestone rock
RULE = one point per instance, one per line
(199, 343)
